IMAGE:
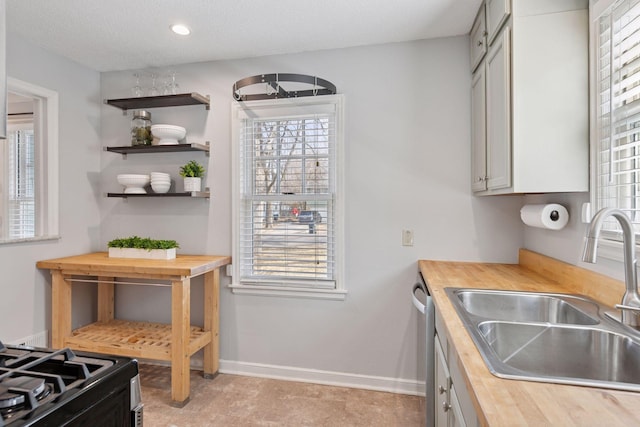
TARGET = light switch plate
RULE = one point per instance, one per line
(407, 237)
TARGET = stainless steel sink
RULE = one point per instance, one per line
(557, 338)
(528, 307)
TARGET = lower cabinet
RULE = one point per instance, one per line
(453, 404)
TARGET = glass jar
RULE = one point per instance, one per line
(141, 128)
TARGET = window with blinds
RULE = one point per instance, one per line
(20, 211)
(617, 153)
(288, 193)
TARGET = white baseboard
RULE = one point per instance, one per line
(340, 379)
(41, 339)
(314, 376)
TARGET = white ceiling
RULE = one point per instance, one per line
(109, 35)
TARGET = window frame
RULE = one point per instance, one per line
(45, 123)
(278, 108)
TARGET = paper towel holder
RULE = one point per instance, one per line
(550, 216)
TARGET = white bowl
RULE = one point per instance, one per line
(168, 134)
(160, 188)
(135, 190)
(133, 180)
(156, 175)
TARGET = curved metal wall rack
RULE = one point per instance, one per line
(273, 86)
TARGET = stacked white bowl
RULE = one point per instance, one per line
(160, 182)
(133, 183)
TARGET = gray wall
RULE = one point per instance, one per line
(407, 162)
(407, 166)
(26, 291)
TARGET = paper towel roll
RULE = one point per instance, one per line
(551, 216)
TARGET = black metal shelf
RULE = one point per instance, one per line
(146, 149)
(192, 194)
(178, 100)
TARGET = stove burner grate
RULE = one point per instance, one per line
(22, 392)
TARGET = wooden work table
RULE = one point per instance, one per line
(504, 402)
(176, 342)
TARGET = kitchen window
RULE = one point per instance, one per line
(615, 180)
(19, 152)
(29, 165)
(288, 197)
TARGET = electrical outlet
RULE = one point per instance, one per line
(407, 237)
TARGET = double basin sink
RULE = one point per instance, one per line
(549, 337)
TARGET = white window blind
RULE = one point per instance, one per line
(617, 162)
(286, 210)
(21, 209)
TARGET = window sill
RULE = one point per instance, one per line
(30, 240)
(273, 291)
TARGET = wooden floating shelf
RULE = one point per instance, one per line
(146, 149)
(178, 100)
(133, 339)
(193, 194)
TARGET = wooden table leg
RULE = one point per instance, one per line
(60, 309)
(105, 299)
(180, 334)
(212, 322)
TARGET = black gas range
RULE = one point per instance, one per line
(54, 388)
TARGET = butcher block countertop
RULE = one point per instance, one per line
(504, 402)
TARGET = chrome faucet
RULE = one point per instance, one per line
(630, 305)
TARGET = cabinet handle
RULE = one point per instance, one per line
(446, 406)
(480, 43)
(441, 390)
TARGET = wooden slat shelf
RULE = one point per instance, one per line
(178, 100)
(193, 194)
(133, 339)
(146, 149)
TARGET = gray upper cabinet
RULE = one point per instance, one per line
(478, 131)
(478, 39)
(534, 82)
(498, 12)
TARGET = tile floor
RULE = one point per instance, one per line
(233, 400)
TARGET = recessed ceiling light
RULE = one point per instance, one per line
(183, 30)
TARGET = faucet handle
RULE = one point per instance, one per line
(627, 307)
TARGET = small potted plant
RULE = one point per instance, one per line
(142, 247)
(192, 173)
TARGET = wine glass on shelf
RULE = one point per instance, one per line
(137, 89)
(173, 84)
(153, 91)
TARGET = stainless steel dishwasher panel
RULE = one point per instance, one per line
(428, 311)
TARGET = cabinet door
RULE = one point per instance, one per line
(478, 130)
(478, 40)
(498, 69)
(441, 391)
(498, 12)
(455, 411)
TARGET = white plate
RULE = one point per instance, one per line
(135, 190)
